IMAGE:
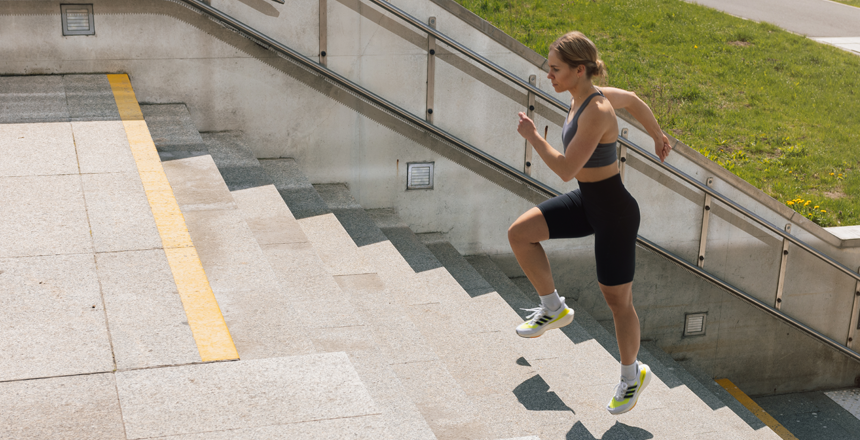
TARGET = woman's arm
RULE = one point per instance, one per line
(620, 98)
(593, 124)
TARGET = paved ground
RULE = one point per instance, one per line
(816, 415)
(821, 20)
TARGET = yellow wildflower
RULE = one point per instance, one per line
(789, 203)
(807, 203)
(824, 211)
(831, 174)
(815, 207)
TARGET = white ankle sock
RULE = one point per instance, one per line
(551, 301)
(629, 373)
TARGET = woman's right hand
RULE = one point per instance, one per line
(662, 148)
(526, 127)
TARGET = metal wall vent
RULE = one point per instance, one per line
(695, 324)
(419, 176)
(77, 19)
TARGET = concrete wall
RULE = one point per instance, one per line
(230, 83)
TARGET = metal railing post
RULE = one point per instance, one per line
(323, 32)
(622, 154)
(527, 162)
(855, 315)
(780, 285)
(706, 219)
(431, 69)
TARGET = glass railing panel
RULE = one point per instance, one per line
(743, 253)
(670, 209)
(280, 22)
(378, 52)
(817, 294)
(479, 107)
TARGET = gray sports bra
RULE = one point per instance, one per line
(604, 154)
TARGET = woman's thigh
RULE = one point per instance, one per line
(565, 216)
(615, 248)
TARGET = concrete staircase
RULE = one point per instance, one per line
(429, 332)
(346, 323)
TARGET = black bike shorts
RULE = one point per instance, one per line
(608, 211)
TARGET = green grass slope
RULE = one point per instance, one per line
(777, 109)
(849, 2)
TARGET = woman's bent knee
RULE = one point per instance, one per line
(529, 228)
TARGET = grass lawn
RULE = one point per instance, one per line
(777, 109)
(849, 2)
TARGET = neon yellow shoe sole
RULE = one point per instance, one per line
(530, 329)
(633, 392)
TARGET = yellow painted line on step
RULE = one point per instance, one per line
(204, 316)
(758, 411)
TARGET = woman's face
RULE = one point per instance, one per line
(563, 76)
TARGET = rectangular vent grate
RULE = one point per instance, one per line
(695, 324)
(419, 176)
(77, 19)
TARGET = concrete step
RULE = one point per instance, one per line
(673, 402)
(505, 389)
(316, 309)
(434, 302)
(424, 377)
(471, 280)
(255, 305)
(428, 389)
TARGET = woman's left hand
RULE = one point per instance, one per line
(662, 148)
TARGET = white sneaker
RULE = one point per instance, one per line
(626, 395)
(543, 319)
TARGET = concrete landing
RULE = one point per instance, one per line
(101, 288)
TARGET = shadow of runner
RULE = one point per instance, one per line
(534, 395)
(618, 431)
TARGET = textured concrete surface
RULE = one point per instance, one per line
(89, 98)
(851, 44)
(256, 308)
(33, 99)
(848, 399)
(37, 149)
(268, 217)
(171, 129)
(74, 407)
(811, 416)
(102, 147)
(52, 318)
(43, 215)
(198, 185)
(147, 323)
(119, 213)
(352, 428)
(241, 395)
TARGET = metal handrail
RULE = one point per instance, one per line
(538, 92)
(749, 299)
(473, 55)
(768, 225)
(535, 184)
(352, 87)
